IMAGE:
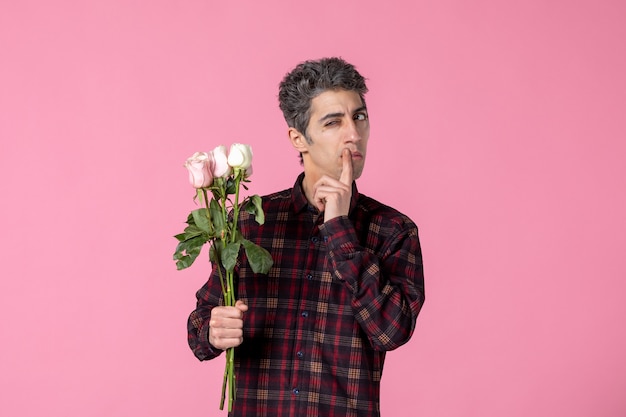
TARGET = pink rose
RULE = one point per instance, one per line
(200, 167)
(221, 167)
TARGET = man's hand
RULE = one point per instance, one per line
(333, 196)
(226, 326)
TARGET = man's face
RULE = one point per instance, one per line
(339, 120)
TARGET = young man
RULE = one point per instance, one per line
(347, 281)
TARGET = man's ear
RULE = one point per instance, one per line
(298, 141)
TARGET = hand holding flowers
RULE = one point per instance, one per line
(222, 174)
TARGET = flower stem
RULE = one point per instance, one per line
(238, 175)
(208, 210)
(224, 382)
(231, 382)
(228, 289)
(222, 282)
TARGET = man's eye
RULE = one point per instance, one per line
(331, 123)
(360, 116)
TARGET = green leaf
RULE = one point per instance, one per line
(229, 255)
(192, 231)
(218, 188)
(231, 186)
(187, 251)
(254, 206)
(260, 259)
(217, 217)
(201, 220)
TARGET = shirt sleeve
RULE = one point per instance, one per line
(198, 323)
(387, 284)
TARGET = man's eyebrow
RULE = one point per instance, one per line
(331, 116)
(341, 114)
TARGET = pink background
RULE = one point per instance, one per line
(498, 126)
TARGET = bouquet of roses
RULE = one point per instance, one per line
(217, 176)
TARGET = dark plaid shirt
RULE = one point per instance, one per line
(340, 294)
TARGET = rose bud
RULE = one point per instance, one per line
(221, 167)
(199, 166)
(240, 156)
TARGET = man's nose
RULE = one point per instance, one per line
(353, 134)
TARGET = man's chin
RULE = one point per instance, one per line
(356, 174)
(357, 170)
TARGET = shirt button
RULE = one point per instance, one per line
(305, 314)
(300, 354)
(296, 391)
(314, 239)
(309, 277)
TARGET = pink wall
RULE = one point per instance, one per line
(499, 127)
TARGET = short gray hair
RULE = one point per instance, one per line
(311, 78)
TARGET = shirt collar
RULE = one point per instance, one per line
(300, 202)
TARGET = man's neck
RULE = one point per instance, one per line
(308, 183)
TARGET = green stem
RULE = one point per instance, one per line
(229, 294)
(224, 213)
(208, 210)
(229, 297)
(224, 382)
(229, 380)
(222, 282)
(238, 175)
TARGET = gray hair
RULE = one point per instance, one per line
(308, 80)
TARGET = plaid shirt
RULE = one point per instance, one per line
(340, 294)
